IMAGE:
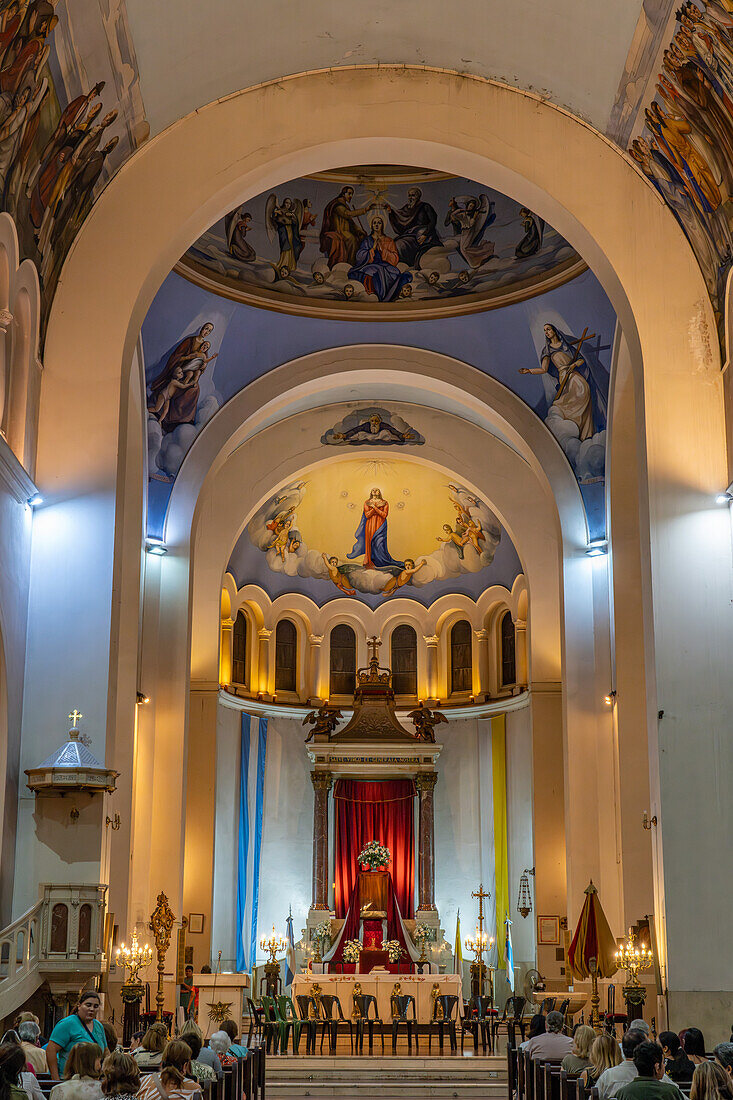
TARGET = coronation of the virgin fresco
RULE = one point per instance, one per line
(374, 529)
(377, 235)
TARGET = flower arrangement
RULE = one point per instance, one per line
(374, 856)
(322, 932)
(352, 951)
(421, 934)
(394, 950)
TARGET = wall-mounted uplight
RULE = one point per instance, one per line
(723, 498)
(142, 698)
(597, 548)
(610, 699)
(155, 545)
(35, 500)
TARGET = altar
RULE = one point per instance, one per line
(381, 986)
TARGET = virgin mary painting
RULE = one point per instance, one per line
(371, 535)
(376, 264)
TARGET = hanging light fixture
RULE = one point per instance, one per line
(524, 901)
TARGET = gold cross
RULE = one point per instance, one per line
(374, 643)
(480, 894)
(74, 717)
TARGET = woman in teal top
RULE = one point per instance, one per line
(82, 1026)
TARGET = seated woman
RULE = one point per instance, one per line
(150, 1052)
(120, 1076)
(693, 1044)
(206, 1055)
(710, 1082)
(220, 1043)
(28, 1075)
(12, 1061)
(198, 1070)
(82, 1072)
(677, 1065)
(173, 1079)
(603, 1055)
(537, 1026)
(579, 1058)
(375, 264)
(233, 1032)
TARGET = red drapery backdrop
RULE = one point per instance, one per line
(380, 811)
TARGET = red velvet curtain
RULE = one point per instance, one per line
(380, 811)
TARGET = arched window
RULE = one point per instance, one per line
(461, 664)
(343, 660)
(59, 927)
(85, 928)
(404, 660)
(286, 656)
(508, 650)
(239, 649)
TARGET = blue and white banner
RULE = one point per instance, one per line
(251, 805)
(509, 954)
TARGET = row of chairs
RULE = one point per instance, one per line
(280, 1024)
(243, 1081)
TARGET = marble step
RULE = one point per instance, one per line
(386, 1078)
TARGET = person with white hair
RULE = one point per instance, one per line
(220, 1043)
(29, 1033)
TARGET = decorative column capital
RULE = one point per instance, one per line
(431, 639)
(482, 634)
(520, 624)
(322, 781)
(227, 624)
(6, 318)
(425, 781)
(264, 633)
(315, 639)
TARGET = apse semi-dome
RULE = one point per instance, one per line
(384, 240)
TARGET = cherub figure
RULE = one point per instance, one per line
(159, 408)
(473, 532)
(280, 527)
(403, 576)
(338, 578)
(323, 720)
(425, 721)
(451, 536)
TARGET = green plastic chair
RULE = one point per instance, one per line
(280, 1028)
(286, 1011)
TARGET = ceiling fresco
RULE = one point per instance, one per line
(373, 529)
(380, 239)
(553, 350)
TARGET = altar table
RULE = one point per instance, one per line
(381, 985)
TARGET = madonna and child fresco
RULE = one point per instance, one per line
(377, 235)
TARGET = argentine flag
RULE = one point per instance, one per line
(290, 952)
(509, 954)
(253, 753)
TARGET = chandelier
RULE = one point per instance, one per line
(134, 958)
(524, 901)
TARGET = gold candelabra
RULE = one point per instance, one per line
(633, 959)
(272, 944)
(480, 943)
(134, 958)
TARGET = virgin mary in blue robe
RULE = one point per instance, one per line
(375, 265)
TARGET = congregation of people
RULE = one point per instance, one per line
(85, 1057)
(636, 1068)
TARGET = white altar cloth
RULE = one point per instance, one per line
(419, 986)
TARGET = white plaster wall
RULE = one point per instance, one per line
(15, 542)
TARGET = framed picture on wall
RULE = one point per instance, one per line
(548, 931)
(195, 923)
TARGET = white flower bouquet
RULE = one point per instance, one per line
(421, 934)
(374, 856)
(352, 951)
(394, 950)
(322, 933)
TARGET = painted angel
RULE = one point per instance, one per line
(285, 222)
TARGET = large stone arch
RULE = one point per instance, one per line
(189, 175)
